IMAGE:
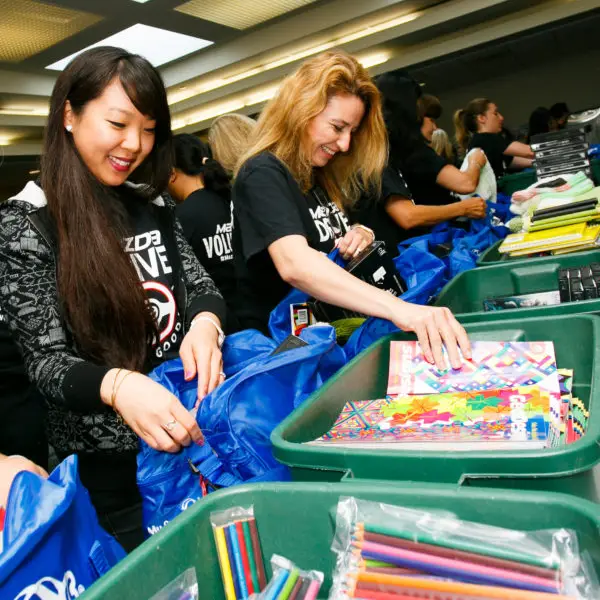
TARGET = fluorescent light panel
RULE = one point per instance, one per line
(191, 90)
(159, 46)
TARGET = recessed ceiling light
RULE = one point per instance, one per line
(159, 46)
(141, 1)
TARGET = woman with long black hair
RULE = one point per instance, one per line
(100, 285)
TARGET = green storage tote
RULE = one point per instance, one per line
(464, 295)
(492, 257)
(295, 520)
(565, 469)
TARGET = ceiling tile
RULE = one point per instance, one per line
(240, 14)
(28, 27)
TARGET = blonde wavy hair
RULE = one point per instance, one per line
(282, 128)
(228, 137)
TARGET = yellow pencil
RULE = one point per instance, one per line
(451, 587)
(224, 563)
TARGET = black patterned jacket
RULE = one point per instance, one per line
(78, 420)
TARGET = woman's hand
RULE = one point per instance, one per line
(354, 242)
(474, 208)
(434, 326)
(10, 467)
(201, 355)
(154, 414)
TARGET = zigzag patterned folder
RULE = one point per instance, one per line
(508, 419)
(495, 365)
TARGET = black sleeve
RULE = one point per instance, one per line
(425, 164)
(393, 184)
(265, 208)
(493, 144)
(30, 299)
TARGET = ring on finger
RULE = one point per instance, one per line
(170, 425)
(222, 374)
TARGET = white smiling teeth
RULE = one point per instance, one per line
(123, 163)
(327, 150)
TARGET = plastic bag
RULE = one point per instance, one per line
(291, 583)
(184, 587)
(385, 548)
(53, 543)
(239, 552)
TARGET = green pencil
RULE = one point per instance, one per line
(376, 563)
(473, 546)
(251, 558)
(289, 585)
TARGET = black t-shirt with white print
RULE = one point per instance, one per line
(207, 222)
(269, 205)
(148, 253)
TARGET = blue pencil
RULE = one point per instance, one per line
(236, 583)
(237, 559)
(463, 575)
(276, 585)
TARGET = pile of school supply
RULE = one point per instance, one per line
(507, 397)
(557, 216)
(291, 583)
(239, 552)
(561, 152)
(393, 552)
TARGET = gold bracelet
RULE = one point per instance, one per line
(114, 392)
(119, 387)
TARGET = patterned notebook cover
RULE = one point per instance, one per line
(510, 415)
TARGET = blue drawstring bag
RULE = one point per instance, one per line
(54, 546)
(236, 420)
(238, 417)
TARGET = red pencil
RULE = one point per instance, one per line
(239, 528)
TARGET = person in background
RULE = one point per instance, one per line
(479, 125)
(560, 116)
(440, 142)
(319, 143)
(430, 178)
(100, 285)
(540, 121)
(202, 190)
(228, 138)
(429, 110)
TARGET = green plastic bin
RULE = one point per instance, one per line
(492, 257)
(564, 469)
(295, 520)
(509, 184)
(464, 295)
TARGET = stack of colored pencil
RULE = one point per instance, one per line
(240, 558)
(290, 583)
(389, 565)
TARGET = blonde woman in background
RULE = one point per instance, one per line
(319, 143)
(228, 138)
(440, 142)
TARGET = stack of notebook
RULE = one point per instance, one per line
(561, 152)
(510, 396)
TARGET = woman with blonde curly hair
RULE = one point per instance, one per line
(318, 145)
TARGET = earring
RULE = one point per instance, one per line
(69, 128)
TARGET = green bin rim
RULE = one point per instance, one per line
(306, 456)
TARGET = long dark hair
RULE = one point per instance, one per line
(194, 157)
(400, 93)
(104, 303)
(539, 122)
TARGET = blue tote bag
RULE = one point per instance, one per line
(54, 546)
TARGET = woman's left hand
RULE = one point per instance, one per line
(200, 355)
(353, 243)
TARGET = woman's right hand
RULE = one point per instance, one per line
(10, 467)
(474, 208)
(154, 413)
(434, 326)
